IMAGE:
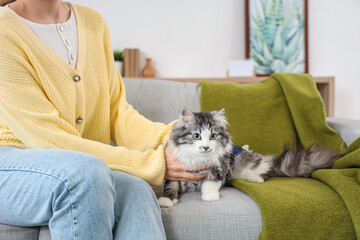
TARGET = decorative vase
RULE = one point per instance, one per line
(149, 70)
(119, 66)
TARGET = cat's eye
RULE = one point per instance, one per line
(197, 136)
(213, 136)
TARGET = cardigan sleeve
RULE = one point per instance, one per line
(131, 129)
(35, 121)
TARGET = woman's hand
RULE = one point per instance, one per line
(176, 171)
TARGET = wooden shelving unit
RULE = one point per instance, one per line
(325, 85)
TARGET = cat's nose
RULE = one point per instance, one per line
(206, 148)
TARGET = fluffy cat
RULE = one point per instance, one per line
(199, 138)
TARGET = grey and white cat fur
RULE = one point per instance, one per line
(199, 138)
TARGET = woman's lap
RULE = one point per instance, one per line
(40, 186)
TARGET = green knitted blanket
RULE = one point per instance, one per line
(287, 108)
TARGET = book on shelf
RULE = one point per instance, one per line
(131, 62)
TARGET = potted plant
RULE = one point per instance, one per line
(119, 58)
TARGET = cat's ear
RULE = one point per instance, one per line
(220, 113)
(187, 116)
(219, 116)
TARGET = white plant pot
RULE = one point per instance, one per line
(118, 65)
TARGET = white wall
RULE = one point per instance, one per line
(197, 39)
(334, 49)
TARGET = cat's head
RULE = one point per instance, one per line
(201, 134)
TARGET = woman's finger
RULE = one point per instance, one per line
(177, 171)
(195, 168)
(177, 166)
(187, 176)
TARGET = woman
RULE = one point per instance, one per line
(61, 102)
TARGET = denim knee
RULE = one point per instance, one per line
(137, 212)
(91, 185)
(133, 186)
(88, 172)
(92, 169)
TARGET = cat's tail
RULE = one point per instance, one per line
(302, 162)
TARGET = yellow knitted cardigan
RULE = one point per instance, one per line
(42, 96)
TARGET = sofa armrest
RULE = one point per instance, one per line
(348, 129)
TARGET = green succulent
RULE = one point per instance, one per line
(118, 56)
(277, 36)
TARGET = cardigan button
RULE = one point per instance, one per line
(79, 120)
(76, 78)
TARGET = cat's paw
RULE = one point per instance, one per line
(210, 190)
(255, 179)
(211, 196)
(166, 202)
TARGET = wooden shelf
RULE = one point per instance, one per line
(325, 85)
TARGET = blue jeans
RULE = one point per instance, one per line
(77, 195)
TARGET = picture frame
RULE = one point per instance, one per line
(276, 35)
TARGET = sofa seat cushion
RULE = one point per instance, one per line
(18, 233)
(235, 216)
(44, 233)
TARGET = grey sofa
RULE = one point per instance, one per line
(235, 216)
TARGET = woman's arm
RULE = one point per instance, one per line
(27, 112)
(129, 128)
